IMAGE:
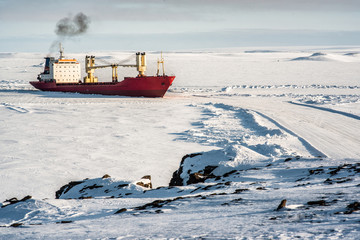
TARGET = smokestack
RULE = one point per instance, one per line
(47, 65)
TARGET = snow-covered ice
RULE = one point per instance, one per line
(262, 125)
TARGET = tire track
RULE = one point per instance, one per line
(334, 134)
(328, 110)
(15, 108)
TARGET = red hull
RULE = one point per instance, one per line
(152, 86)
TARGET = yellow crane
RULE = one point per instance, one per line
(90, 67)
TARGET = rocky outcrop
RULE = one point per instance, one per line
(186, 174)
(282, 205)
(202, 175)
(14, 200)
(215, 164)
(199, 167)
(64, 189)
(176, 179)
(145, 182)
(352, 207)
(103, 187)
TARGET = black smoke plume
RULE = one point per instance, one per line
(68, 27)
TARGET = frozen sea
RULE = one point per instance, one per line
(243, 109)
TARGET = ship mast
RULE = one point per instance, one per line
(61, 51)
(160, 61)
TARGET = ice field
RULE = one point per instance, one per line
(265, 124)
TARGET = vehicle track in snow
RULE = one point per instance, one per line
(335, 135)
(14, 108)
(329, 110)
(224, 125)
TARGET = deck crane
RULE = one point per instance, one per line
(90, 67)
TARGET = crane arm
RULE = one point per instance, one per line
(112, 65)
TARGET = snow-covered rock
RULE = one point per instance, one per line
(198, 167)
(103, 187)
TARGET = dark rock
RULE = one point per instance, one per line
(209, 169)
(236, 200)
(106, 176)
(260, 188)
(64, 189)
(328, 181)
(281, 205)
(337, 180)
(26, 198)
(255, 168)
(240, 190)
(120, 210)
(176, 179)
(198, 178)
(144, 183)
(146, 177)
(303, 184)
(229, 173)
(316, 171)
(339, 168)
(317, 203)
(352, 207)
(214, 194)
(178, 198)
(154, 204)
(16, 225)
(198, 188)
(15, 200)
(287, 159)
(84, 197)
(122, 185)
(90, 187)
(208, 187)
(64, 222)
(343, 180)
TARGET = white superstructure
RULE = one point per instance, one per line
(61, 70)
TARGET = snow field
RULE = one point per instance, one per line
(243, 110)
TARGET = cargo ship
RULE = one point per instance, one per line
(64, 75)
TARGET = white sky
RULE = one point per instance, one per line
(180, 24)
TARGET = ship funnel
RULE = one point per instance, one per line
(47, 65)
